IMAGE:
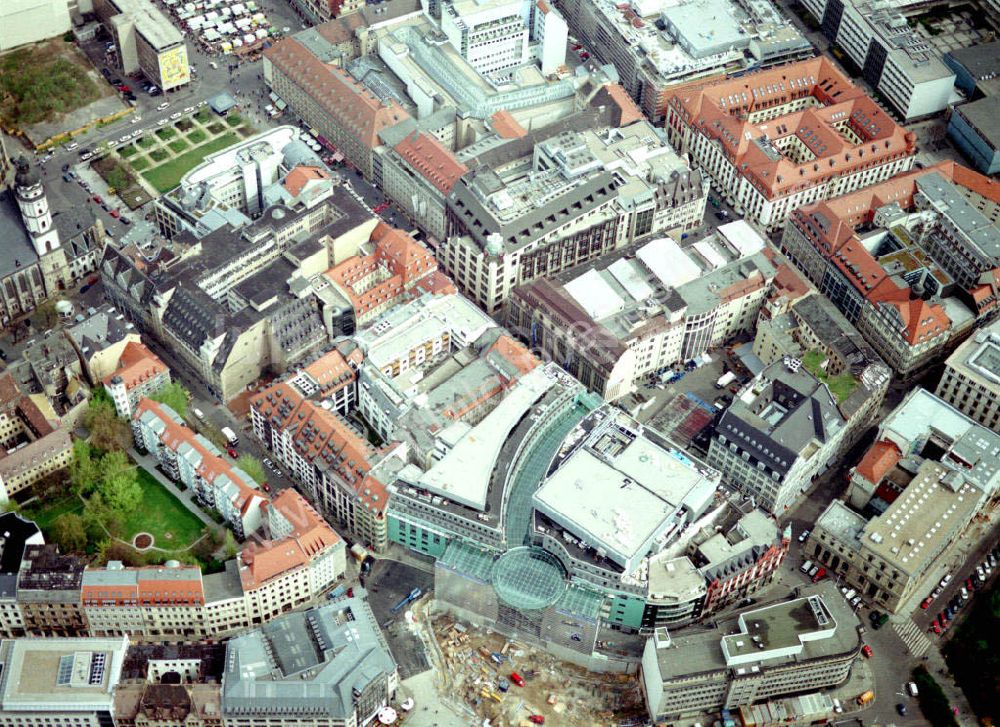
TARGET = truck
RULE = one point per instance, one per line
(407, 599)
(337, 592)
(230, 436)
(359, 552)
(725, 380)
(866, 697)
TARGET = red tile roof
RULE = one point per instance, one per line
(296, 180)
(506, 126)
(630, 113)
(136, 365)
(878, 461)
(432, 161)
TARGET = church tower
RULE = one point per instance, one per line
(35, 207)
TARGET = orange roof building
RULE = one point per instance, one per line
(140, 373)
(344, 112)
(301, 547)
(193, 460)
(786, 136)
(397, 269)
(909, 283)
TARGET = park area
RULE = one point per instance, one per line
(164, 155)
(42, 82)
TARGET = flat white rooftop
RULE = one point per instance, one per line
(463, 474)
(668, 262)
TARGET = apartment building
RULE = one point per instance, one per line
(654, 45)
(19, 535)
(195, 462)
(304, 428)
(139, 374)
(775, 140)
(390, 270)
(911, 499)
(60, 681)
(893, 57)
(614, 323)
(910, 262)
(33, 460)
(99, 341)
(551, 200)
(330, 663)
(809, 641)
(47, 595)
(146, 41)
(971, 379)
(243, 299)
(787, 426)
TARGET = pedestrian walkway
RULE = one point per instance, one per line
(185, 496)
(915, 639)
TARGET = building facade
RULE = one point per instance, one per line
(971, 379)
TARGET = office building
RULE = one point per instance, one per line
(242, 299)
(195, 462)
(787, 426)
(911, 498)
(100, 340)
(145, 41)
(391, 269)
(491, 35)
(974, 129)
(139, 374)
(32, 21)
(615, 322)
(910, 262)
(655, 44)
(975, 69)
(59, 682)
(330, 664)
(893, 57)
(578, 193)
(775, 140)
(236, 184)
(43, 250)
(809, 641)
(971, 379)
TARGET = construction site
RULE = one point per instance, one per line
(512, 684)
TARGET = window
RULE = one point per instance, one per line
(65, 670)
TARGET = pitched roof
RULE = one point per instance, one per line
(431, 160)
(506, 126)
(136, 364)
(296, 180)
(878, 461)
(350, 103)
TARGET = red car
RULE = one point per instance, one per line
(536, 719)
(867, 651)
(267, 487)
(585, 56)
(115, 213)
(232, 452)
(123, 88)
(937, 627)
(97, 198)
(380, 208)
(926, 603)
(820, 575)
(517, 678)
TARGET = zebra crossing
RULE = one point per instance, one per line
(915, 639)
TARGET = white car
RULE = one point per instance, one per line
(162, 106)
(161, 122)
(174, 117)
(125, 138)
(72, 146)
(136, 119)
(189, 109)
(137, 133)
(86, 156)
(804, 536)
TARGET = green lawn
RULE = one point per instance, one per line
(166, 176)
(197, 136)
(203, 116)
(216, 128)
(139, 164)
(126, 151)
(166, 132)
(841, 386)
(178, 145)
(41, 82)
(45, 515)
(171, 524)
(234, 120)
(146, 142)
(159, 155)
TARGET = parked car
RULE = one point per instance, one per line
(867, 651)
(804, 535)
(162, 106)
(901, 708)
(126, 220)
(232, 452)
(175, 116)
(115, 213)
(925, 604)
(97, 199)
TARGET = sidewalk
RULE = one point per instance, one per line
(185, 496)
